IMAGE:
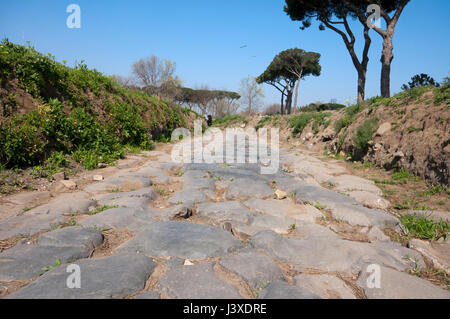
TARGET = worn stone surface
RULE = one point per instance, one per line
(110, 277)
(438, 254)
(26, 261)
(120, 217)
(321, 253)
(225, 211)
(399, 285)
(140, 199)
(344, 208)
(326, 286)
(182, 239)
(283, 290)
(196, 282)
(187, 196)
(285, 209)
(255, 268)
(248, 187)
(148, 295)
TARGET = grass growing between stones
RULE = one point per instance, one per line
(424, 228)
(102, 209)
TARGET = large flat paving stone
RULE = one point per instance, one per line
(187, 196)
(225, 211)
(399, 285)
(326, 286)
(283, 290)
(349, 183)
(285, 209)
(331, 254)
(196, 282)
(140, 199)
(344, 208)
(26, 261)
(248, 188)
(255, 268)
(109, 277)
(182, 239)
(120, 217)
(43, 217)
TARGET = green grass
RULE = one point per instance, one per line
(227, 120)
(299, 122)
(425, 228)
(102, 209)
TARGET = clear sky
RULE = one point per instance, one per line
(206, 38)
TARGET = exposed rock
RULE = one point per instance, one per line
(111, 277)
(383, 129)
(283, 290)
(196, 282)
(183, 240)
(326, 286)
(398, 285)
(257, 269)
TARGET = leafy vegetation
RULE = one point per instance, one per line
(423, 227)
(80, 112)
(299, 122)
(364, 135)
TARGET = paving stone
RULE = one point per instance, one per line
(187, 196)
(285, 209)
(283, 290)
(109, 277)
(225, 211)
(344, 207)
(255, 268)
(182, 239)
(279, 225)
(330, 254)
(437, 253)
(196, 282)
(326, 286)
(140, 199)
(148, 295)
(370, 200)
(120, 217)
(71, 236)
(399, 285)
(26, 261)
(248, 187)
(349, 183)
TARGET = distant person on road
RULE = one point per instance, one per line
(209, 120)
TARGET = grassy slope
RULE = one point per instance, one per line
(50, 110)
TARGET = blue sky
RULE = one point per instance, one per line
(204, 38)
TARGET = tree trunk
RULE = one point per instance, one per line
(386, 59)
(296, 89)
(361, 85)
(282, 104)
(289, 102)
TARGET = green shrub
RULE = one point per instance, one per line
(364, 134)
(74, 117)
(299, 122)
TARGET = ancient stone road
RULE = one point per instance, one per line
(214, 231)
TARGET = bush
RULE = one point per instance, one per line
(425, 228)
(363, 135)
(299, 122)
(74, 117)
